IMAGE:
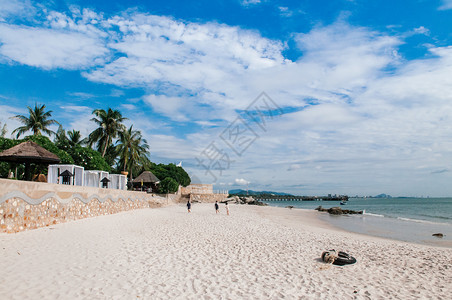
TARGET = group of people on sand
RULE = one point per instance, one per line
(217, 207)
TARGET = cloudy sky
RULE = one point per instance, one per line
(308, 97)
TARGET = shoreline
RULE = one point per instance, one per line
(255, 253)
(386, 227)
(317, 222)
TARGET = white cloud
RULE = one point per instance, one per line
(285, 11)
(74, 42)
(77, 117)
(82, 95)
(293, 167)
(7, 112)
(250, 2)
(169, 106)
(184, 57)
(16, 8)
(447, 4)
(169, 147)
(202, 65)
(49, 48)
(76, 108)
(421, 30)
(129, 106)
(361, 116)
(116, 93)
(241, 181)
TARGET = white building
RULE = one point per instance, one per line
(77, 175)
(93, 178)
(117, 181)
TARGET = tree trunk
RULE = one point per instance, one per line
(106, 145)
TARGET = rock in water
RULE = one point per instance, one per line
(339, 211)
(335, 211)
(439, 235)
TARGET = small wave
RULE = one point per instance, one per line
(437, 217)
(422, 221)
(371, 214)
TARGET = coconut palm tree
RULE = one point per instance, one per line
(60, 136)
(110, 124)
(132, 149)
(38, 121)
(75, 138)
(4, 130)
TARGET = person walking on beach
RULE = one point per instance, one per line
(227, 209)
(189, 206)
(217, 207)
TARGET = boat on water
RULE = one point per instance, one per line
(343, 202)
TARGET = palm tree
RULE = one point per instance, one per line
(110, 123)
(132, 149)
(4, 130)
(60, 136)
(37, 122)
(75, 138)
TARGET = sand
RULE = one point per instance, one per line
(255, 253)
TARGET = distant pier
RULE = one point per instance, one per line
(299, 198)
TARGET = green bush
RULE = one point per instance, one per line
(178, 174)
(44, 142)
(88, 158)
(6, 143)
(168, 185)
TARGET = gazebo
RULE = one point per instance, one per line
(146, 180)
(27, 153)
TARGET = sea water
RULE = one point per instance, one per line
(406, 219)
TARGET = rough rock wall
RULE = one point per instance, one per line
(197, 189)
(29, 205)
(208, 198)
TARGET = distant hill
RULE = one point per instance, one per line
(382, 196)
(251, 193)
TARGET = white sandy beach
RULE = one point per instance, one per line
(255, 253)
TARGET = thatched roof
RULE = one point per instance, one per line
(146, 177)
(29, 152)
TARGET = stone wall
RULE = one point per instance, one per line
(197, 189)
(28, 205)
(209, 198)
(200, 193)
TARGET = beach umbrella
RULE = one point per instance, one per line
(27, 153)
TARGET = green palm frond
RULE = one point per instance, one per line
(109, 125)
(38, 121)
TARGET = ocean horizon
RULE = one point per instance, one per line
(405, 218)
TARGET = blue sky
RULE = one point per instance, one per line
(357, 94)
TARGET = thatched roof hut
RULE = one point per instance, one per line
(27, 153)
(146, 177)
(146, 181)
